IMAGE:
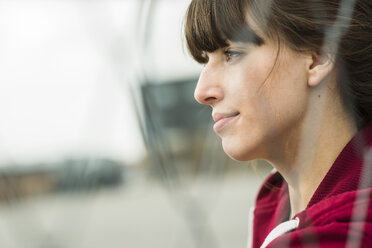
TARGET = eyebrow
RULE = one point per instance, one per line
(247, 35)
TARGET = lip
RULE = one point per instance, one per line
(222, 119)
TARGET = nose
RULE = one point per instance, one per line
(209, 89)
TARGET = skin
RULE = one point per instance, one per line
(287, 112)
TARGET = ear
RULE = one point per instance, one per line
(321, 67)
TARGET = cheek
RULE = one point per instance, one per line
(245, 81)
(285, 96)
(271, 103)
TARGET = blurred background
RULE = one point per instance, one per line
(101, 141)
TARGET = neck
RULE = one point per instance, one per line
(314, 162)
(323, 134)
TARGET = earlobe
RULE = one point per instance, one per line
(320, 68)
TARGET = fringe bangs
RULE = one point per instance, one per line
(211, 23)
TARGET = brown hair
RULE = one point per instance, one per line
(343, 31)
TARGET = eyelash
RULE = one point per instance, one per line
(230, 54)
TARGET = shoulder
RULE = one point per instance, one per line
(271, 208)
(271, 189)
(342, 220)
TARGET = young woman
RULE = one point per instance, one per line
(291, 82)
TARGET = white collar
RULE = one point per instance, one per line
(281, 229)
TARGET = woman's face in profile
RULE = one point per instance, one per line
(258, 96)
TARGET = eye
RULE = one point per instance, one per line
(232, 54)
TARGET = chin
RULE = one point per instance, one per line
(239, 152)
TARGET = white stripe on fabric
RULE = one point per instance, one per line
(281, 229)
(250, 227)
(273, 171)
